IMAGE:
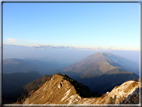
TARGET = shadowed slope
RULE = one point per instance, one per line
(19, 94)
(13, 81)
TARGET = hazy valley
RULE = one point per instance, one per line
(87, 81)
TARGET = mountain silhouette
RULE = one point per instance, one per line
(29, 64)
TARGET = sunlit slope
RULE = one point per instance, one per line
(59, 90)
(63, 90)
(126, 93)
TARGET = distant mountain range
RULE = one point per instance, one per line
(102, 71)
(29, 64)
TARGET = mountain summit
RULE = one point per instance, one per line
(99, 64)
(59, 90)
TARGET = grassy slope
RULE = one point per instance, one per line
(51, 93)
(68, 93)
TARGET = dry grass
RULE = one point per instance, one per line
(111, 100)
(116, 87)
(132, 85)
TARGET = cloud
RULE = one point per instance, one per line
(11, 40)
(64, 47)
(73, 47)
(15, 46)
(38, 46)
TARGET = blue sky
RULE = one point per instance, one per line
(85, 25)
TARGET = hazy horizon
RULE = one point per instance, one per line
(61, 55)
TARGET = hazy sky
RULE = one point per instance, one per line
(87, 25)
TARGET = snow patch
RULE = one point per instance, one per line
(35, 96)
(45, 88)
(118, 93)
(42, 97)
(50, 93)
(60, 85)
(74, 98)
(88, 101)
(66, 94)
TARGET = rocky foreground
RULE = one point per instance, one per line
(63, 90)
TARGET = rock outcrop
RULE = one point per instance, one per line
(63, 90)
(59, 90)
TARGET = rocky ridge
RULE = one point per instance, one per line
(63, 90)
(59, 90)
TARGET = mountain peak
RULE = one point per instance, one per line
(95, 65)
(103, 54)
(67, 90)
(99, 64)
(98, 54)
(106, 53)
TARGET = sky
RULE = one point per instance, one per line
(80, 25)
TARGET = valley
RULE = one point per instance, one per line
(86, 82)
